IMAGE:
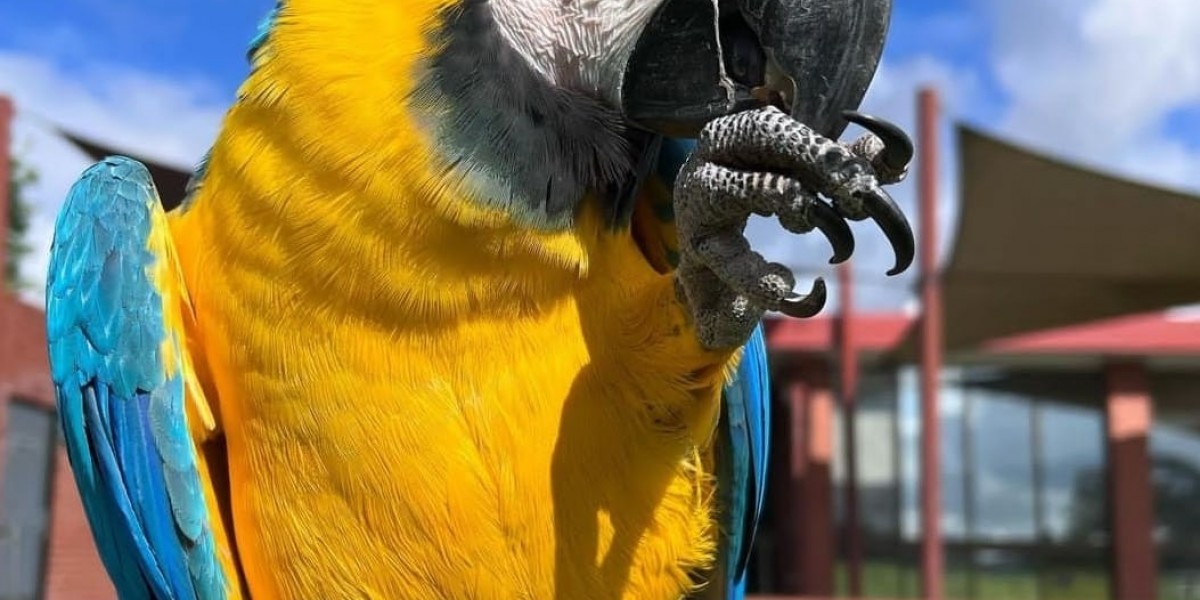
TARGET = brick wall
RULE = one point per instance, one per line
(73, 569)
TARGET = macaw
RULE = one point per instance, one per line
(458, 304)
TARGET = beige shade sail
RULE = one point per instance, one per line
(1042, 243)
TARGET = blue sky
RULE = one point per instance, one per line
(1110, 83)
(193, 40)
(205, 41)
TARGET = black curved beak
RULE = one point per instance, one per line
(700, 59)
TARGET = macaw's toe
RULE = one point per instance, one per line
(803, 306)
(896, 149)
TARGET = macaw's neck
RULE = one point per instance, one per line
(435, 173)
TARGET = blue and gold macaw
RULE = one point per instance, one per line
(459, 305)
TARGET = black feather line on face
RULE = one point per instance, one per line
(550, 146)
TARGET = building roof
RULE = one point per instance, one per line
(1157, 334)
(874, 333)
(1148, 334)
(171, 181)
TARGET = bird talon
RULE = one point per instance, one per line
(762, 161)
(834, 227)
(804, 306)
(883, 210)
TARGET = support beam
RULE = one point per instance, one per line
(932, 560)
(809, 540)
(1129, 416)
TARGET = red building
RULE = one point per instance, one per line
(46, 549)
(1070, 463)
(1059, 430)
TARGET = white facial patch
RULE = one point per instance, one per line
(575, 44)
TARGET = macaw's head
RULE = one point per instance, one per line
(672, 65)
(543, 102)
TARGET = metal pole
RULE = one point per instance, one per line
(932, 560)
(848, 362)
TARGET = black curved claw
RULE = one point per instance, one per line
(827, 219)
(807, 305)
(887, 215)
(897, 146)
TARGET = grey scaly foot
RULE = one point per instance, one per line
(763, 162)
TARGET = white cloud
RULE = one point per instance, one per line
(1095, 80)
(170, 120)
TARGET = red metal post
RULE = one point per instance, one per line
(1130, 415)
(848, 363)
(811, 527)
(6, 117)
(932, 561)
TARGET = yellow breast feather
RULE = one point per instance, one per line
(419, 397)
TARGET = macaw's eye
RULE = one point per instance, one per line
(745, 61)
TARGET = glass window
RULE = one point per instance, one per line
(909, 399)
(1022, 452)
(879, 478)
(1074, 513)
(1071, 439)
(1175, 463)
(1001, 473)
(1066, 552)
(955, 460)
(29, 453)
(1023, 472)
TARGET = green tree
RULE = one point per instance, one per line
(20, 212)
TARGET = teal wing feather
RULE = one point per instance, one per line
(121, 404)
(264, 31)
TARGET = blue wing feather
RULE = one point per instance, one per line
(743, 436)
(746, 428)
(121, 407)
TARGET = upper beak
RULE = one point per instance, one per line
(701, 59)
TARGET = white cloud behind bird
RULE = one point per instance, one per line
(1098, 80)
